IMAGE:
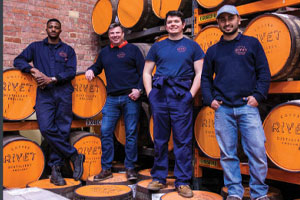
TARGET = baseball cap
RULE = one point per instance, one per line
(227, 9)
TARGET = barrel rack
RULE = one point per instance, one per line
(280, 87)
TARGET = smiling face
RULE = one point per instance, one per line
(228, 23)
(174, 25)
(116, 36)
(53, 30)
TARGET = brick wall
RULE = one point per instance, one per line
(24, 21)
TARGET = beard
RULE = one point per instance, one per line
(231, 32)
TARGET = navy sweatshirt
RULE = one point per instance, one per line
(241, 70)
(123, 67)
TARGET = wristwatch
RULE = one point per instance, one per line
(141, 91)
(53, 79)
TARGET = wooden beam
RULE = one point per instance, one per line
(33, 125)
(287, 87)
(273, 173)
(250, 8)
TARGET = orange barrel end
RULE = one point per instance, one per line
(208, 36)
(151, 127)
(273, 193)
(136, 14)
(198, 195)
(162, 7)
(145, 174)
(19, 94)
(282, 130)
(142, 192)
(215, 4)
(280, 37)
(204, 131)
(120, 131)
(65, 190)
(104, 13)
(88, 97)
(90, 145)
(23, 161)
(117, 179)
(104, 192)
(102, 74)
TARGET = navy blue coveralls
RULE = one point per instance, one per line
(172, 106)
(54, 102)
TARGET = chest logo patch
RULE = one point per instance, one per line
(181, 49)
(64, 55)
(240, 50)
(121, 55)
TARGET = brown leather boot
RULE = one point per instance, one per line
(104, 174)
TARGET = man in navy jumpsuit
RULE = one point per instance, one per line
(54, 68)
(176, 81)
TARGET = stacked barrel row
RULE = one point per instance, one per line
(139, 14)
(135, 14)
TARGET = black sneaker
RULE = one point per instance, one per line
(104, 174)
(131, 174)
(77, 160)
(56, 177)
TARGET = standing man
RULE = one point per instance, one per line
(54, 68)
(241, 82)
(123, 64)
(176, 81)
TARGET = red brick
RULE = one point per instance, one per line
(11, 39)
(20, 11)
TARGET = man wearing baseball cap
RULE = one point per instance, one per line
(242, 79)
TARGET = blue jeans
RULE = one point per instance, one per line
(113, 108)
(246, 119)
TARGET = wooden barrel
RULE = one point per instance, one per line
(90, 145)
(142, 192)
(216, 4)
(104, 13)
(120, 133)
(208, 36)
(23, 161)
(117, 179)
(145, 174)
(88, 97)
(151, 127)
(162, 7)
(282, 130)
(136, 14)
(19, 94)
(198, 195)
(144, 48)
(104, 192)
(65, 190)
(273, 193)
(204, 131)
(280, 37)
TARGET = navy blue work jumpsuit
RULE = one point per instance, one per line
(54, 102)
(172, 106)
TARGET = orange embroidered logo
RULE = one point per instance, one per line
(121, 55)
(240, 50)
(181, 49)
